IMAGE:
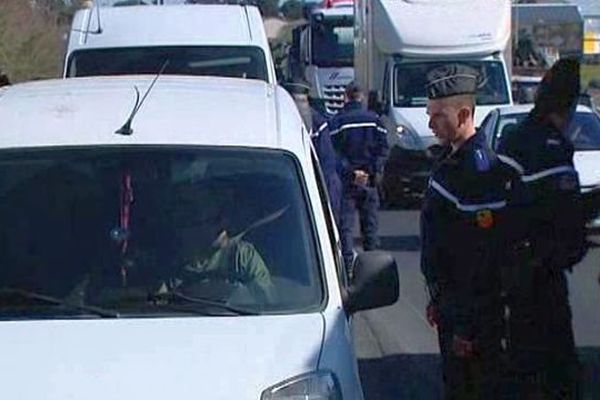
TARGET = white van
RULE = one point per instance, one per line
(217, 40)
(176, 254)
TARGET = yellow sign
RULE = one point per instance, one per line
(591, 43)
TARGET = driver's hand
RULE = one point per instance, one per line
(462, 347)
(361, 178)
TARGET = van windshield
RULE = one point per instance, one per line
(154, 232)
(225, 61)
(410, 80)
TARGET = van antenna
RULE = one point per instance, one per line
(126, 129)
(98, 30)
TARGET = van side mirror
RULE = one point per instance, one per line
(375, 283)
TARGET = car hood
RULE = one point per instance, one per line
(587, 164)
(179, 358)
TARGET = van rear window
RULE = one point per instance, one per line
(224, 61)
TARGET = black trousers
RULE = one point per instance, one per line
(477, 377)
(542, 356)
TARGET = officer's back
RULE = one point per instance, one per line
(359, 136)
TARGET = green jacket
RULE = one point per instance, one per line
(239, 261)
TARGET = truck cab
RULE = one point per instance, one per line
(399, 42)
(322, 54)
(213, 40)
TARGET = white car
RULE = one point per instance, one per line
(584, 132)
(185, 250)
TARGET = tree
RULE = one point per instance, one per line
(268, 8)
(31, 38)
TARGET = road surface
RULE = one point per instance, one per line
(397, 350)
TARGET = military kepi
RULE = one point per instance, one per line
(559, 89)
(451, 80)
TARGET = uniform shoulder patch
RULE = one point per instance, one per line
(482, 161)
(485, 219)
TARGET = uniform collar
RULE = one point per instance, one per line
(467, 147)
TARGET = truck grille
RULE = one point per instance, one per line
(333, 96)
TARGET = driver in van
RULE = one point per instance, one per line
(230, 257)
(237, 261)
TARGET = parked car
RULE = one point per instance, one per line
(584, 132)
(185, 250)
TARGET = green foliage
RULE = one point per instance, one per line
(292, 10)
(32, 36)
(268, 8)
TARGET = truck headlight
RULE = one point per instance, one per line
(320, 385)
(407, 138)
(403, 130)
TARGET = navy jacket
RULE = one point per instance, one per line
(321, 139)
(360, 141)
(462, 225)
(547, 202)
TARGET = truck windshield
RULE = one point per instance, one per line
(410, 80)
(153, 232)
(225, 61)
(333, 45)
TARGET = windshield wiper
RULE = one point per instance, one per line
(56, 301)
(180, 297)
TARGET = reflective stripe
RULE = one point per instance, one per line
(547, 172)
(466, 207)
(322, 127)
(512, 162)
(357, 125)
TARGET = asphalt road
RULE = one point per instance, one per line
(397, 350)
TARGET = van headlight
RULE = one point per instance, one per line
(406, 137)
(320, 385)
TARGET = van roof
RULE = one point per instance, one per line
(180, 25)
(178, 111)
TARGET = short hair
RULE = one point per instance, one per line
(354, 91)
(462, 100)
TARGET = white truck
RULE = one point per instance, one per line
(213, 40)
(321, 54)
(398, 41)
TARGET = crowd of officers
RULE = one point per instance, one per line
(500, 230)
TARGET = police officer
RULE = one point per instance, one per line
(318, 128)
(461, 228)
(361, 145)
(550, 239)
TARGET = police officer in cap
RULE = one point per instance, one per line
(550, 239)
(461, 229)
(360, 142)
(318, 128)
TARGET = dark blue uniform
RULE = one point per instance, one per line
(550, 238)
(360, 142)
(321, 139)
(462, 226)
